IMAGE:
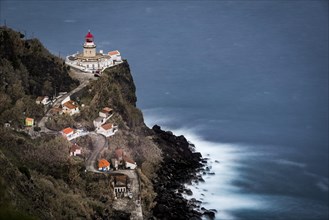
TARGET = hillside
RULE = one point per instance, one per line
(27, 70)
(39, 180)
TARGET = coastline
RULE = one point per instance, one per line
(182, 166)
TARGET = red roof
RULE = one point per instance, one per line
(106, 110)
(89, 35)
(67, 130)
(29, 119)
(70, 104)
(103, 163)
(115, 52)
(107, 126)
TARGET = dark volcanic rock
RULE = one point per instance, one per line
(209, 214)
(181, 164)
(188, 192)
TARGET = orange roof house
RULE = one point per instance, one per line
(103, 165)
(70, 107)
(68, 133)
(107, 129)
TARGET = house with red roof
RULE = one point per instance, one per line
(68, 133)
(115, 56)
(104, 115)
(107, 129)
(103, 165)
(70, 107)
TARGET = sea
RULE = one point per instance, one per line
(245, 81)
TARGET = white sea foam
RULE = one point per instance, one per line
(290, 163)
(227, 160)
(217, 192)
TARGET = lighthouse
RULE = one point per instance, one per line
(89, 47)
(89, 61)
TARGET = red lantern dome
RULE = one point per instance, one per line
(89, 37)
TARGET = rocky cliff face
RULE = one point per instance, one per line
(47, 184)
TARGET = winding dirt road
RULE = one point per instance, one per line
(100, 143)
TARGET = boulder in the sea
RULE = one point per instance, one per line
(209, 214)
(188, 192)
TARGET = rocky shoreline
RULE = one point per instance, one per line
(181, 165)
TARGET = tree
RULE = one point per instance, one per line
(47, 88)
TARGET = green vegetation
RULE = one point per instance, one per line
(27, 70)
(115, 89)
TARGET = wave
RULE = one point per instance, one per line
(70, 21)
(234, 167)
(290, 163)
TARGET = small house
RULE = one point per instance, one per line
(115, 55)
(75, 150)
(129, 163)
(68, 133)
(44, 100)
(29, 122)
(103, 165)
(70, 107)
(106, 112)
(107, 129)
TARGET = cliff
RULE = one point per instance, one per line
(37, 177)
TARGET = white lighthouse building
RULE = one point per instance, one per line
(89, 47)
(89, 60)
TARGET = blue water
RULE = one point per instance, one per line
(246, 81)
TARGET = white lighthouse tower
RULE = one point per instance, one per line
(89, 47)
